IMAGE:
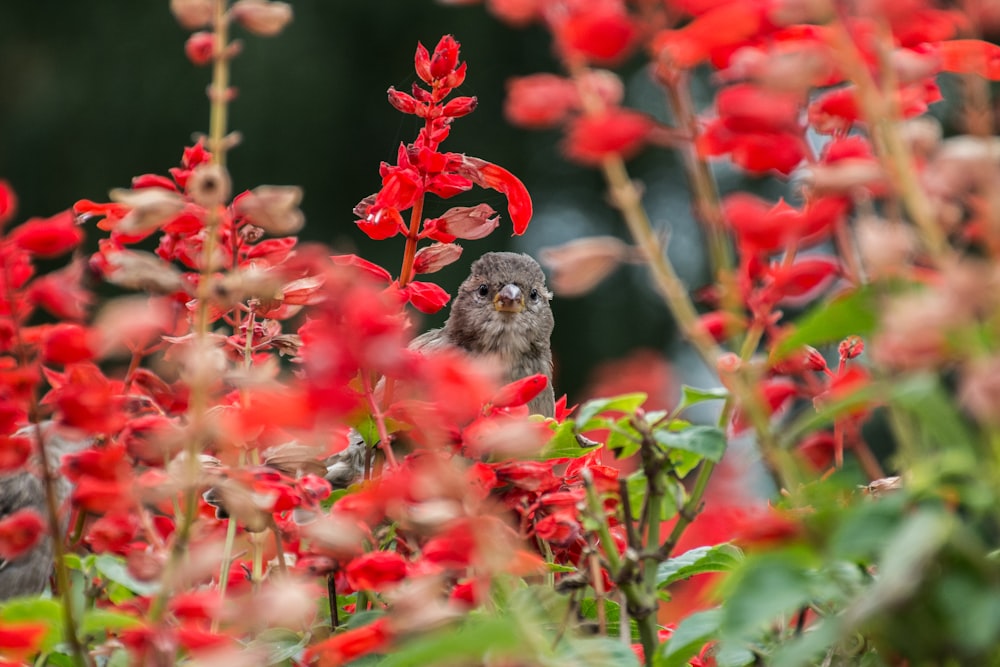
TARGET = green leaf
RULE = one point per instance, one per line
(706, 441)
(627, 403)
(596, 652)
(926, 399)
(687, 639)
(612, 613)
(563, 443)
(97, 621)
(281, 644)
(853, 314)
(692, 396)
(114, 569)
(720, 558)
(48, 612)
(623, 439)
(806, 649)
(477, 638)
(765, 586)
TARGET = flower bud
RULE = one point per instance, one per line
(460, 106)
(579, 265)
(435, 257)
(445, 57)
(464, 222)
(401, 101)
(200, 48)
(274, 208)
(209, 185)
(192, 14)
(266, 19)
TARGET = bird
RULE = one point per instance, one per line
(29, 573)
(501, 312)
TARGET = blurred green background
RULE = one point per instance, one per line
(92, 94)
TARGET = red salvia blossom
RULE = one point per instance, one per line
(344, 647)
(20, 531)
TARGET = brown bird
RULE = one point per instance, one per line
(502, 312)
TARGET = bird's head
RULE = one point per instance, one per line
(503, 305)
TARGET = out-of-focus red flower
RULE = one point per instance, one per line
(112, 533)
(519, 392)
(20, 639)
(67, 343)
(745, 107)
(19, 532)
(600, 31)
(539, 101)
(87, 400)
(756, 152)
(61, 294)
(14, 452)
(376, 571)
(592, 138)
(200, 48)
(720, 29)
(970, 56)
(802, 282)
(347, 646)
(8, 202)
(374, 270)
(49, 237)
(818, 449)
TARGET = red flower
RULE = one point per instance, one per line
(749, 108)
(49, 237)
(601, 31)
(19, 532)
(60, 292)
(112, 533)
(8, 202)
(540, 101)
(347, 646)
(200, 48)
(20, 639)
(67, 343)
(87, 400)
(376, 571)
(426, 297)
(618, 131)
(14, 452)
(721, 28)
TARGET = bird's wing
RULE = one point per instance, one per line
(435, 339)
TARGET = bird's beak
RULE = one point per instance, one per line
(509, 299)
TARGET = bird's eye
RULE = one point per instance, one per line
(483, 289)
(533, 294)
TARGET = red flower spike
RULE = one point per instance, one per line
(48, 237)
(519, 392)
(426, 297)
(376, 571)
(19, 532)
(8, 203)
(345, 647)
(591, 138)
